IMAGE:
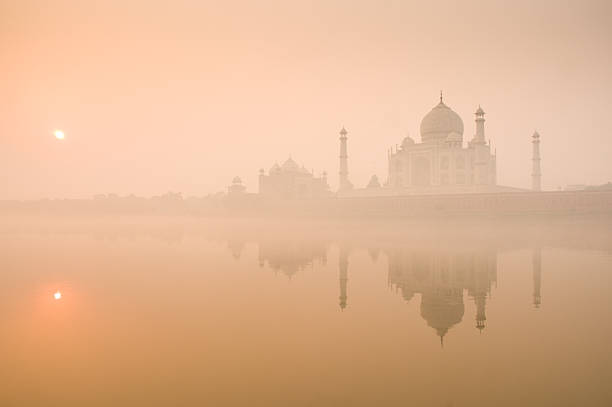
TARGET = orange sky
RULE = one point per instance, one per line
(183, 95)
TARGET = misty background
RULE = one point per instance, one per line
(157, 95)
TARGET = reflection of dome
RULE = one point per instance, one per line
(441, 311)
(440, 122)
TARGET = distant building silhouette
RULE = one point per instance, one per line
(290, 181)
(236, 188)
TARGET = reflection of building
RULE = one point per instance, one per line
(537, 277)
(343, 275)
(290, 256)
(290, 181)
(441, 279)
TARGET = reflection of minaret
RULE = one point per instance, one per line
(343, 267)
(481, 302)
(537, 277)
(484, 272)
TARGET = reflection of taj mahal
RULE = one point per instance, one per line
(440, 278)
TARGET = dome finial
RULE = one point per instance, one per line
(441, 96)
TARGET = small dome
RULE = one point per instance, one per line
(275, 168)
(236, 180)
(407, 142)
(374, 183)
(440, 122)
(479, 112)
(290, 166)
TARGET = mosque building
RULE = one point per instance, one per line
(290, 181)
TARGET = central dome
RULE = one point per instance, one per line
(440, 122)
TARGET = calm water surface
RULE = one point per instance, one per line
(244, 313)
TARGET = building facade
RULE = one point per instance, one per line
(441, 159)
(441, 163)
(290, 181)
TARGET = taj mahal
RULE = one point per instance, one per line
(443, 173)
(443, 162)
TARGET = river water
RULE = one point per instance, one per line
(185, 312)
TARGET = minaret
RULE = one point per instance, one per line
(537, 277)
(480, 132)
(483, 172)
(344, 182)
(536, 175)
(343, 268)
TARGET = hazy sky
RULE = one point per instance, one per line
(183, 95)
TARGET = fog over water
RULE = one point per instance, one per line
(173, 311)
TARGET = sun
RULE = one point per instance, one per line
(59, 134)
(57, 295)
